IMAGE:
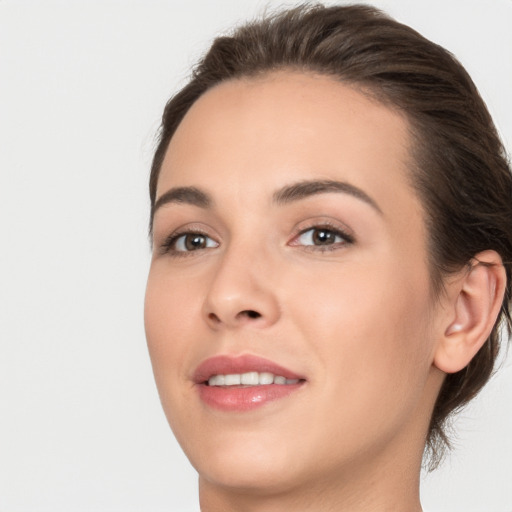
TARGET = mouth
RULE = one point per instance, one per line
(250, 379)
(243, 383)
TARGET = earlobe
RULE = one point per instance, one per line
(475, 303)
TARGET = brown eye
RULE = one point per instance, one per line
(188, 242)
(193, 242)
(321, 236)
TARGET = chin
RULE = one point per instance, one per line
(251, 477)
(250, 463)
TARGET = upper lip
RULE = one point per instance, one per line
(228, 364)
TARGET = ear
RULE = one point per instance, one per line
(475, 300)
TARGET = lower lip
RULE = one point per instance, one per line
(240, 399)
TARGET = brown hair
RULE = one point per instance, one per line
(459, 166)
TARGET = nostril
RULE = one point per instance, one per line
(246, 314)
(250, 313)
(214, 318)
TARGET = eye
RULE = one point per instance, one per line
(322, 236)
(188, 242)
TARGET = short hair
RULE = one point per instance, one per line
(459, 167)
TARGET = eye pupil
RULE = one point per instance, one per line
(323, 237)
(195, 241)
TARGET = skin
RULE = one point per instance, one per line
(355, 318)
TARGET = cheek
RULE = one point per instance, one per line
(172, 321)
(170, 315)
(369, 327)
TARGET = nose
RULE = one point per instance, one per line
(241, 293)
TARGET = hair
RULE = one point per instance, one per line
(459, 167)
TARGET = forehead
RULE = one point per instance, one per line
(251, 136)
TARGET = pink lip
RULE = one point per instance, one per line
(223, 365)
(242, 398)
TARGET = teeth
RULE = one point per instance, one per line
(217, 380)
(233, 380)
(266, 378)
(249, 379)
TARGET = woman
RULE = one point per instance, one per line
(332, 247)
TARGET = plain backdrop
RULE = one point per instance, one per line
(82, 88)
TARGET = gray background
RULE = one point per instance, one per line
(82, 87)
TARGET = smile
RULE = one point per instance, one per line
(250, 379)
(243, 383)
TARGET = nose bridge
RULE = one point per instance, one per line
(241, 289)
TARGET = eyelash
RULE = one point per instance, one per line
(169, 245)
(347, 238)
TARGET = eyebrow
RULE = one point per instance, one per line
(304, 189)
(184, 195)
(288, 194)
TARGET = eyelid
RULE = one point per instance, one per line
(336, 227)
(166, 246)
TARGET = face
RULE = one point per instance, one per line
(290, 252)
